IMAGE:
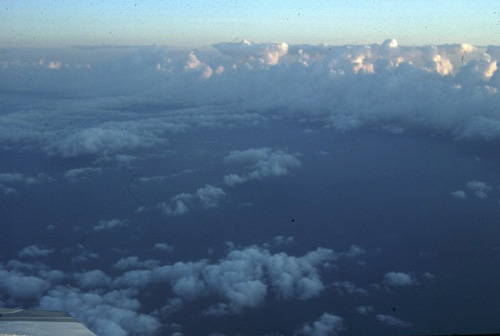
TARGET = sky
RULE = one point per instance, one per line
(196, 23)
(265, 184)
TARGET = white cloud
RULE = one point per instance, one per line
(76, 174)
(479, 188)
(349, 288)
(134, 262)
(109, 224)
(133, 279)
(459, 194)
(245, 277)
(481, 194)
(35, 251)
(207, 197)
(353, 252)
(326, 325)
(346, 87)
(254, 54)
(262, 162)
(163, 247)
(99, 140)
(399, 279)
(363, 310)
(112, 313)
(210, 196)
(92, 279)
(282, 240)
(391, 321)
(16, 178)
(180, 205)
(21, 287)
(428, 276)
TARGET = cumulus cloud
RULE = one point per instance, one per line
(479, 188)
(35, 251)
(242, 279)
(391, 321)
(163, 247)
(112, 313)
(326, 325)
(282, 240)
(17, 286)
(459, 194)
(99, 140)
(428, 276)
(399, 279)
(347, 287)
(109, 224)
(92, 279)
(210, 196)
(134, 262)
(345, 87)
(254, 54)
(76, 174)
(245, 277)
(180, 204)
(12, 179)
(478, 185)
(363, 310)
(207, 197)
(262, 162)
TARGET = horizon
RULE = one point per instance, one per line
(54, 23)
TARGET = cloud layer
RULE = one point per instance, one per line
(156, 91)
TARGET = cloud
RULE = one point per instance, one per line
(399, 279)
(134, 262)
(98, 140)
(180, 205)
(349, 288)
(479, 188)
(112, 313)
(35, 251)
(459, 194)
(207, 197)
(343, 87)
(391, 321)
(363, 310)
(244, 278)
(17, 286)
(262, 162)
(282, 240)
(478, 185)
(76, 174)
(109, 224)
(92, 279)
(210, 196)
(254, 54)
(163, 247)
(326, 325)
(16, 178)
(428, 276)
(133, 279)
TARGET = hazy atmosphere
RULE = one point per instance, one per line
(227, 169)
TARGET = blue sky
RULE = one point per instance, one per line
(194, 23)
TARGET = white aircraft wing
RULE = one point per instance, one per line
(22, 322)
